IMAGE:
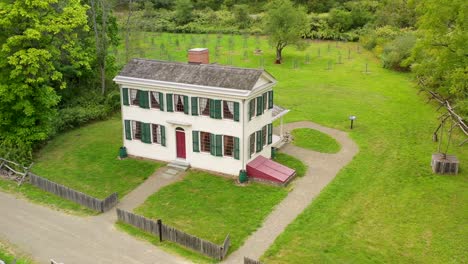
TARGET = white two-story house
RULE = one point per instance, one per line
(208, 116)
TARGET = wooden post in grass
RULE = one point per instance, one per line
(349, 53)
(329, 65)
(295, 64)
(358, 49)
(328, 47)
(339, 58)
(307, 59)
(246, 55)
(160, 230)
(319, 52)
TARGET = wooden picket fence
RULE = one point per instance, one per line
(166, 232)
(72, 195)
(251, 261)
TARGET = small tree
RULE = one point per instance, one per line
(284, 24)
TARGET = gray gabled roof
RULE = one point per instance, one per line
(196, 74)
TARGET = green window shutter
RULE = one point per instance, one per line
(213, 144)
(195, 141)
(146, 133)
(259, 141)
(264, 102)
(270, 99)
(186, 105)
(128, 130)
(143, 99)
(125, 96)
(212, 108)
(250, 108)
(218, 109)
(236, 148)
(194, 106)
(219, 145)
(163, 135)
(259, 105)
(170, 105)
(270, 133)
(161, 101)
(236, 111)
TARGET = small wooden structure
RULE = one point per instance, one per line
(444, 164)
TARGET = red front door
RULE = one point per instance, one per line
(180, 142)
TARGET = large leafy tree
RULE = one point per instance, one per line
(441, 53)
(39, 42)
(285, 25)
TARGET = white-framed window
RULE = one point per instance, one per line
(179, 103)
(228, 110)
(134, 100)
(136, 130)
(205, 141)
(228, 146)
(252, 143)
(156, 133)
(155, 100)
(204, 106)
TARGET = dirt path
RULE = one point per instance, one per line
(48, 234)
(322, 169)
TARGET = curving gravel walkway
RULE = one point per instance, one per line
(322, 169)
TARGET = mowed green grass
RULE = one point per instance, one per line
(291, 162)
(85, 159)
(386, 205)
(211, 206)
(314, 140)
(8, 254)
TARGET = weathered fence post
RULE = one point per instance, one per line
(160, 230)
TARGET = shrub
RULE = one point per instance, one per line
(396, 52)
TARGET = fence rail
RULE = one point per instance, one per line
(173, 234)
(72, 195)
(251, 261)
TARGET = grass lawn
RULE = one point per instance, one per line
(315, 140)
(8, 253)
(85, 159)
(291, 162)
(386, 206)
(211, 207)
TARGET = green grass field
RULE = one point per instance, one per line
(291, 162)
(211, 207)
(386, 206)
(314, 140)
(8, 254)
(85, 159)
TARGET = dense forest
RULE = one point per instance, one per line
(57, 69)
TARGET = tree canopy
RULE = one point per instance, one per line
(284, 25)
(40, 42)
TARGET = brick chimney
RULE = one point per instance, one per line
(198, 56)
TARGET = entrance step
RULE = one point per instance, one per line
(179, 165)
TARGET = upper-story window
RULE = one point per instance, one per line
(264, 135)
(228, 110)
(259, 104)
(155, 100)
(204, 106)
(179, 103)
(134, 98)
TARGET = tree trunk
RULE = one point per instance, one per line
(127, 35)
(278, 55)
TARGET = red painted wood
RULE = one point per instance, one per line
(266, 169)
(180, 142)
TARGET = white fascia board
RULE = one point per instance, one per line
(280, 115)
(208, 90)
(260, 89)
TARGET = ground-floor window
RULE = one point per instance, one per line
(156, 131)
(136, 129)
(205, 141)
(228, 146)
